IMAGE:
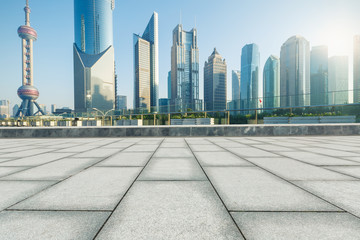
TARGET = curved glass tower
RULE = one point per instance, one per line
(94, 68)
(250, 85)
(93, 25)
(272, 82)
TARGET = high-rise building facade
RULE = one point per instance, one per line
(94, 71)
(169, 85)
(4, 109)
(15, 110)
(295, 72)
(215, 83)
(53, 108)
(356, 70)
(164, 105)
(319, 75)
(121, 102)
(146, 67)
(250, 83)
(338, 80)
(185, 70)
(236, 82)
(271, 82)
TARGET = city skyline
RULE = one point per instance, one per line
(45, 76)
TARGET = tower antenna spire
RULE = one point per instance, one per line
(27, 13)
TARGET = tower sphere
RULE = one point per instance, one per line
(28, 92)
(26, 32)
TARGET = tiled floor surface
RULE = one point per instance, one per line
(180, 188)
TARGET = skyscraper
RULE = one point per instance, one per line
(295, 72)
(338, 80)
(27, 92)
(121, 102)
(53, 108)
(250, 82)
(146, 67)
(4, 109)
(169, 85)
(15, 110)
(185, 70)
(215, 82)
(271, 82)
(236, 81)
(357, 69)
(94, 71)
(319, 75)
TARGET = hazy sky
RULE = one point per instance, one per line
(227, 25)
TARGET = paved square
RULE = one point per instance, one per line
(181, 188)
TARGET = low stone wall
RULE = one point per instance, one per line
(183, 131)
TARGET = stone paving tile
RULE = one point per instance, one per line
(251, 152)
(253, 189)
(174, 140)
(97, 153)
(6, 159)
(197, 141)
(4, 171)
(355, 159)
(93, 189)
(174, 145)
(12, 192)
(205, 148)
(274, 148)
(30, 225)
(150, 142)
(295, 170)
(118, 145)
(246, 141)
(26, 153)
(317, 159)
(172, 169)
(300, 226)
(220, 159)
(289, 144)
(16, 149)
(330, 152)
(170, 210)
(344, 194)
(142, 148)
(57, 170)
(127, 159)
(76, 149)
(35, 160)
(349, 170)
(231, 144)
(173, 153)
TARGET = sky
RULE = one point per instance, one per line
(227, 25)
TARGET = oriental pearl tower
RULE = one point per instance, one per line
(27, 92)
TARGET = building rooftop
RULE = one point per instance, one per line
(180, 188)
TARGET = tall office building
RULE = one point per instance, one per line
(185, 70)
(53, 108)
(15, 110)
(295, 72)
(121, 102)
(94, 71)
(271, 82)
(4, 109)
(164, 105)
(250, 83)
(146, 67)
(357, 69)
(215, 82)
(236, 81)
(319, 75)
(338, 80)
(169, 85)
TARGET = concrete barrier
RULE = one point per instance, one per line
(183, 131)
(310, 120)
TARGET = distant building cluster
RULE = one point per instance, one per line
(301, 76)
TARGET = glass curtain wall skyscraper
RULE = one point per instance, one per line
(215, 82)
(236, 80)
(338, 80)
(250, 84)
(319, 75)
(146, 67)
(94, 71)
(356, 64)
(185, 70)
(295, 72)
(271, 82)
